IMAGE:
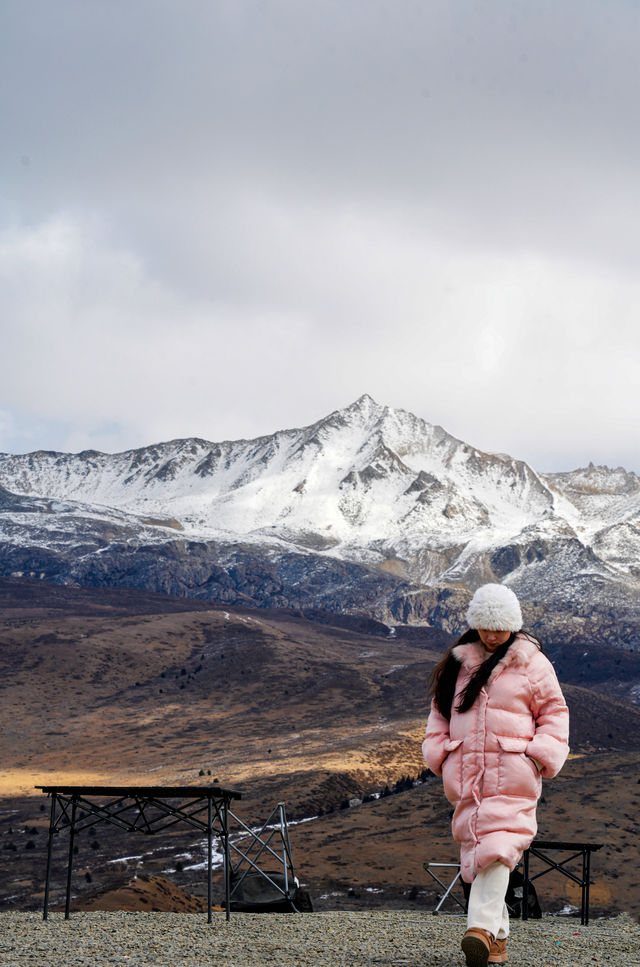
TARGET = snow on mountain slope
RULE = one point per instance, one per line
(599, 494)
(368, 484)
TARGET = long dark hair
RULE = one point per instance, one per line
(445, 675)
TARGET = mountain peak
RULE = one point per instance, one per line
(365, 405)
(365, 400)
(363, 412)
(368, 485)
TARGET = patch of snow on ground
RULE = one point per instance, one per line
(395, 668)
(567, 911)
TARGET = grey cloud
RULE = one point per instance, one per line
(346, 92)
(333, 198)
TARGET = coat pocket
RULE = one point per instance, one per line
(452, 744)
(452, 770)
(512, 743)
(518, 773)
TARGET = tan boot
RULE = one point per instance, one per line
(498, 952)
(476, 945)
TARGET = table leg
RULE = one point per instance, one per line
(586, 879)
(227, 857)
(210, 850)
(71, 839)
(52, 823)
(525, 885)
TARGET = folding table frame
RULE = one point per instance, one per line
(146, 809)
(539, 848)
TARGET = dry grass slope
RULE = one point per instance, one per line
(117, 687)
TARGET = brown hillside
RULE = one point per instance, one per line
(152, 893)
(279, 706)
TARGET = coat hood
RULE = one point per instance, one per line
(520, 653)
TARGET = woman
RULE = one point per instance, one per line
(498, 722)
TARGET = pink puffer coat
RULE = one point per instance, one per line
(486, 755)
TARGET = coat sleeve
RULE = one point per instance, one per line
(435, 740)
(550, 743)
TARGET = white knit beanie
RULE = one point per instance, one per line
(494, 607)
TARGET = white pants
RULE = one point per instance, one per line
(487, 908)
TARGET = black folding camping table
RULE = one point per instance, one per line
(145, 809)
(540, 848)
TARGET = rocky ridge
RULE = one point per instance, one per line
(370, 509)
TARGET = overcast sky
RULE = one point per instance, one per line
(221, 218)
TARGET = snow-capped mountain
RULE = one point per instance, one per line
(368, 494)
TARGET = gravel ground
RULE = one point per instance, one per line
(304, 940)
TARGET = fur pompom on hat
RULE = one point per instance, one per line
(494, 607)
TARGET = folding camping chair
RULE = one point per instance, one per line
(256, 888)
(429, 867)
